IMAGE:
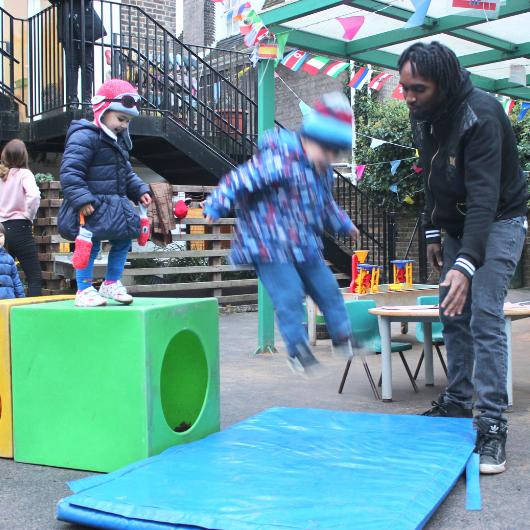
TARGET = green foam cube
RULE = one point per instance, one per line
(99, 388)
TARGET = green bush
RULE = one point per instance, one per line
(386, 120)
(389, 120)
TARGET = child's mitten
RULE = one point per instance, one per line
(145, 230)
(83, 247)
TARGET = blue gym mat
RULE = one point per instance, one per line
(289, 469)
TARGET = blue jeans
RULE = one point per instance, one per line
(116, 263)
(478, 335)
(287, 285)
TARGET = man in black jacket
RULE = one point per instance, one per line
(475, 192)
(78, 28)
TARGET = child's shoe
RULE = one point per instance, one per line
(303, 362)
(89, 297)
(116, 291)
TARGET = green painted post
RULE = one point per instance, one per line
(266, 102)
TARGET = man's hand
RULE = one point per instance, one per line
(87, 210)
(434, 256)
(455, 299)
(145, 199)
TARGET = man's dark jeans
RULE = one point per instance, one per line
(478, 335)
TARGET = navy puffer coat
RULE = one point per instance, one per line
(96, 170)
(10, 284)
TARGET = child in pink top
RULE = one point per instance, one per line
(19, 202)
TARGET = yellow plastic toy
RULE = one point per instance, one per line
(402, 274)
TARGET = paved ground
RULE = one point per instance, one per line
(28, 494)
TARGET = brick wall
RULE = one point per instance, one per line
(163, 11)
(307, 87)
(199, 26)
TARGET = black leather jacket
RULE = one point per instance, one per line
(472, 171)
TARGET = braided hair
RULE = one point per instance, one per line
(434, 62)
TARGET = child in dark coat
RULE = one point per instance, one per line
(99, 183)
(284, 201)
(10, 284)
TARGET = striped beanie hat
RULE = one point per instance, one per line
(330, 123)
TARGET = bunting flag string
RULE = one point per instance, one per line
(360, 78)
(294, 60)
(380, 80)
(398, 92)
(336, 68)
(315, 64)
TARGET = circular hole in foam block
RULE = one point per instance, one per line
(183, 381)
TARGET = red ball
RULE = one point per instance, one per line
(180, 210)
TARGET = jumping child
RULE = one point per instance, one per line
(284, 202)
(99, 183)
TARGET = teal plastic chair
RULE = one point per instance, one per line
(365, 329)
(437, 334)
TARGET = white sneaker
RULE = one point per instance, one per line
(116, 291)
(89, 297)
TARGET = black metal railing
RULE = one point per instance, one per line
(210, 93)
(13, 50)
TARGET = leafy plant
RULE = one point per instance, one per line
(43, 177)
(386, 120)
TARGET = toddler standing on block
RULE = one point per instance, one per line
(284, 202)
(98, 182)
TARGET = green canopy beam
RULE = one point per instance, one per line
(311, 42)
(399, 13)
(442, 25)
(294, 10)
(494, 56)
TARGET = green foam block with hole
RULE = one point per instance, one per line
(99, 388)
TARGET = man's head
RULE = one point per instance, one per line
(430, 75)
(327, 129)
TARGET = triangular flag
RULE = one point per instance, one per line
(360, 78)
(251, 17)
(294, 60)
(281, 40)
(304, 108)
(351, 26)
(417, 153)
(418, 17)
(359, 171)
(393, 188)
(408, 200)
(417, 169)
(336, 68)
(376, 143)
(394, 166)
(379, 81)
(315, 64)
(398, 92)
(525, 105)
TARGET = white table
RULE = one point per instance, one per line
(427, 315)
(384, 297)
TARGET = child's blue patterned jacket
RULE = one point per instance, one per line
(283, 206)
